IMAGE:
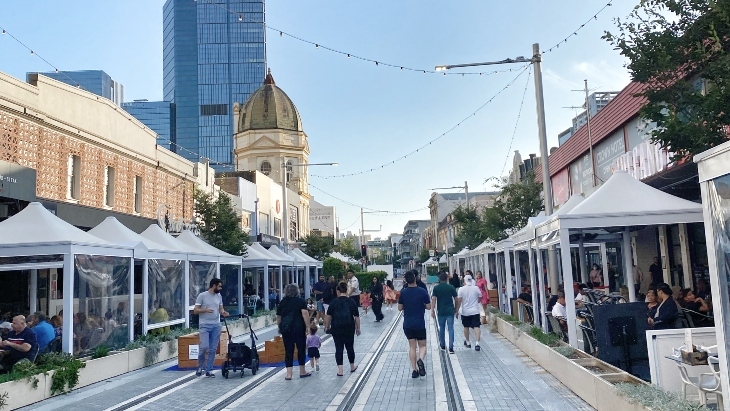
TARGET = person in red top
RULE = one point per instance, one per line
(484, 289)
(20, 344)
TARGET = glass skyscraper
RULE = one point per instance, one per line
(158, 116)
(94, 81)
(214, 56)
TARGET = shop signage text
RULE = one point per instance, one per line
(644, 160)
(174, 225)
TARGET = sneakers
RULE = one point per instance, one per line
(199, 372)
(478, 348)
(443, 348)
(210, 375)
(466, 344)
(421, 368)
(414, 374)
(451, 350)
(316, 367)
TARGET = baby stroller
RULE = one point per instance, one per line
(240, 356)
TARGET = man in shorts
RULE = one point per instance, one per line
(318, 290)
(414, 301)
(468, 299)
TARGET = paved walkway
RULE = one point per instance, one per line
(500, 377)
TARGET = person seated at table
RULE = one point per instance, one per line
(21, 344)
(248, 288)
(578, 291)
(689, 301)
(667, 311)
(57, 323)
(703, 289)
(159, 315)
(82, 331)
(42, 328)
(651, 303)
(560, 313)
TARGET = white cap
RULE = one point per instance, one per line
(468, 279)
(6, 325)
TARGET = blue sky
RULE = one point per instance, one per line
(354, 112)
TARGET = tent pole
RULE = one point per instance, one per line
(33, 291)
(604, 265)
(508, 279)
(145, 298)
(186, 292)
(533, 289)
(130, 299)
(582, 259)
(240, 289)
(266, 287)
(68, 303)
(628, 264)
(541, 282)
(568, 289)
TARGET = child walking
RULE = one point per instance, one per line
(313, 344)
(365, 301)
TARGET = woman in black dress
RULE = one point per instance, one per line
(343, 322)
(376, 293)
(292, 317)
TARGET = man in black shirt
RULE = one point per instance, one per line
(526, 296)
(455, 281)
(20, 344)
(657, 276)
(318, 290)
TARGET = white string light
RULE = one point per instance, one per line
(575, 33)
(430, 142)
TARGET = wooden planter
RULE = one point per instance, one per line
(595, 388)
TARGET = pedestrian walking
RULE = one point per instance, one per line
(455, 281)
(330, 293)
(209, 307)
(353, 287)
(484, 300)
(468, 299)
(365, 301)
(443, 309)
(313, 345)
(292, 317)
(377, 296)
(390, 294)
(414, 302)
(319, 290)
(343, 322)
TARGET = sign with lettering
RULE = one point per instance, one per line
(581, 175)
(17, 182)
(193, 352)
(561, 187)
(644, 160)
(172, 224)
(606, 152)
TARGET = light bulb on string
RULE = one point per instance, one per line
(316, 45)
(4, 31)
(32, 52)
(240, 17)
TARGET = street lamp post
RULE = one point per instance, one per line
(536, 61)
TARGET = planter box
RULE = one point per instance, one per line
(597, 389)
(103, 368)
(22, 393)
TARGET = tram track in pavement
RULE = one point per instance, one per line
(453, 397)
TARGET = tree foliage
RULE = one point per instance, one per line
(516, 203)
(333, 266)
(318, 247)
(424, 255)
(219, 224)
(346, 247)
(679, 50)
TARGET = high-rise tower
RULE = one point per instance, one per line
(214, 56)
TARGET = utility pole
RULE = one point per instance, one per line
(590, 140)
(466, 190)
(285, 206)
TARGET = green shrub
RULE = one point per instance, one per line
(100, 351)
(366, 278)
(657, 399)
(550, 339)
(333, 266)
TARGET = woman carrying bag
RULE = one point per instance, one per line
(343, 322)
(292, 318)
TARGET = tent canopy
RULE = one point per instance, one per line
(187, 237)
(155, 233)
(255, 258)
(288, 260)
(37, 231)
(306, 257)
(271, 258)
(625, 201)
(443, 259)
(113, 231)
(430, 261)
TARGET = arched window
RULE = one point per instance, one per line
(265, 168)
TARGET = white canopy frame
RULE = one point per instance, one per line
(113, 231)
(34, 232)
(271, 260)
(607, 208)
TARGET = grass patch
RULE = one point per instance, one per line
(551, 340)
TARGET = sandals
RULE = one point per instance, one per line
(355, 369)
(309, 374)
(340, 375)
(287, 378)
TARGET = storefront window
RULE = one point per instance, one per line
(101, 285)
(165, 291)
(229, 275)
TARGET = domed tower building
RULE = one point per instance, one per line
(269, 134)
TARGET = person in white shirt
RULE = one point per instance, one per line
(559, 312)
(468, 301)
(353, 287)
